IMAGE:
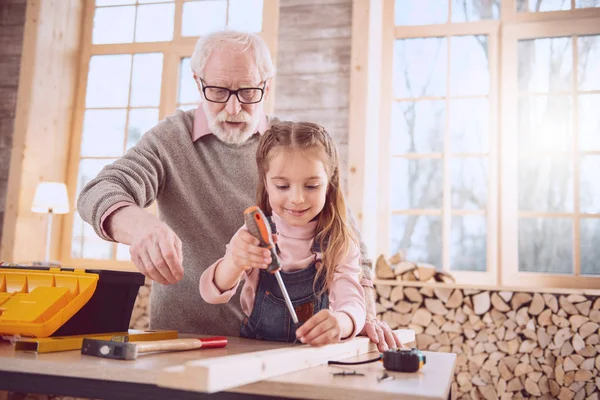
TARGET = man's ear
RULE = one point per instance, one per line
(198, 85)
(268, 86)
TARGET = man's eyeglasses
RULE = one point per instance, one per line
(217, 94)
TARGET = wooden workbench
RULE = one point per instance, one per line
(70, 373)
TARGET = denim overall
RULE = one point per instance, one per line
(270, 318)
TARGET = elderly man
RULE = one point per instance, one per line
(200, 167)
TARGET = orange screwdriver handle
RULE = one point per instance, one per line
(259, 227)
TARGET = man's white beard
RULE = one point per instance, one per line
(232, 135)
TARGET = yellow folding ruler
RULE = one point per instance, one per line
(64, 343)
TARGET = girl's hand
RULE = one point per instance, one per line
(325, 327)
(246, 253)
(243, 253)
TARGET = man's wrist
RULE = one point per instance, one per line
(346, 323)
(112, 224)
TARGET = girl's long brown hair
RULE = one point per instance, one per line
(333, 231)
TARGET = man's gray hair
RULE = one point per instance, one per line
(233, 40)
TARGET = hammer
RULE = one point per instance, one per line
(122, 350)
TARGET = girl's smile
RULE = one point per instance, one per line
(296, 213)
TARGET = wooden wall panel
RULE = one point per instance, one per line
(313, 78)
(47, 81)
(12, 21)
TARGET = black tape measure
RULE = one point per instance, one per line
(403, 360)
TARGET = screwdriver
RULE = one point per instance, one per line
(259, 227)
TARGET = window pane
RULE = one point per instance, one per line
(545, 65)
(113, 2)
(545, 124)
(202, 17)
(469, 125)
(103, 133)
(543, 5)
(188, 90)
(475, 10)
(416, 183)
(146, 80)
(589, 122)
(587, 3)
(155, 23)
(422, 12)
(155, 1)
(123, 252)
(186, 107)
(417, 127)
(546, 245)
(546, 184)
(469, 183)
(419, 237)
(113, 25)
(589, 62)
(86, 244)
(590, 185)
(469, 70)
(108, 81)
(590, 245)
(468, 251)
(89, 169)
(141, 120)
(420, 67)
(245, 15)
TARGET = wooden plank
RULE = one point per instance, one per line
(315, 57)
(213, 375)
(315, 21)
(301, 92)
(48, 71)
(145, 370)
(364, 129)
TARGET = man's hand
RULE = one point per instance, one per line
(155, 249)
(380, 333)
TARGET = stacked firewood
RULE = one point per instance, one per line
(140, 318)
(398, 268)
(509, 344)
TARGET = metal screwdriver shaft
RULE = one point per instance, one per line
(259, 227)
(286, 296)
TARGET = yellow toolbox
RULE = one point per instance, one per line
(41, 302)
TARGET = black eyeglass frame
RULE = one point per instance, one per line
(233, 92)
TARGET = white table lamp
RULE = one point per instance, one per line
(50, 198)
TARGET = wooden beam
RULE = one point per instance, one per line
(42, 124)
(365, 100)
(223, 373)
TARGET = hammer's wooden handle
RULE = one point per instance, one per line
(180, 344)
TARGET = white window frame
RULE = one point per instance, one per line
(510, 266)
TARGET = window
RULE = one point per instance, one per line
(134, 72)
(551, 150)
(441, 135)
(489, 151)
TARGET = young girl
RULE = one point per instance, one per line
(299, 187)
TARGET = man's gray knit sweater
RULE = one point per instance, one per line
(202, 189)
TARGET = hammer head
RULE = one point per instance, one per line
(109, 349)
